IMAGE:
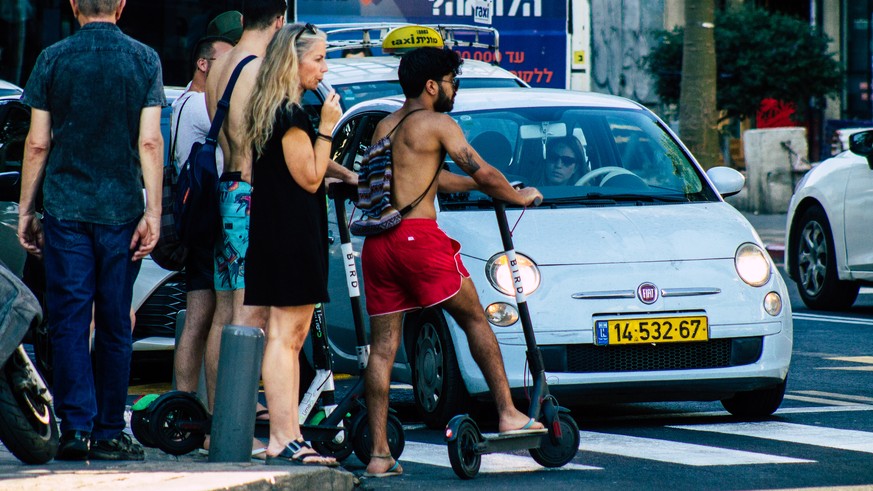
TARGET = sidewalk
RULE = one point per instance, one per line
(165, 472)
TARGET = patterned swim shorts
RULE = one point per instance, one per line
(230, 252)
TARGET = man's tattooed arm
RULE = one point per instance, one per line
(466, 162)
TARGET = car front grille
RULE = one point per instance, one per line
(157, 315)
(716, 353)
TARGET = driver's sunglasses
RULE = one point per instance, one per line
(564, 160)
(311, 29)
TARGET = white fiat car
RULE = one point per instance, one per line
(828, 248)
(644, 285)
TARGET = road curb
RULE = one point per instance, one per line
(169, 475)
(777, 252)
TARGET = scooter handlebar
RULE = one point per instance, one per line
(341, 190)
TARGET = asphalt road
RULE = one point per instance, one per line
(822, 436)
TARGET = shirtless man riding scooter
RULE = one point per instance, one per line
(416, 265)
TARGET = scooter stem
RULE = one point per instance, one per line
(534, 356)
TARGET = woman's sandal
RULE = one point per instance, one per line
(294, 454)
(394, 470)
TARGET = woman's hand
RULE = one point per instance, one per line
(330, 113)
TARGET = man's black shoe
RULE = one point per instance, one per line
(73, 445)
(121, 447)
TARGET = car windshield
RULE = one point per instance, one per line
(581, 157)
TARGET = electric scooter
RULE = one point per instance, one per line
(350, 413)
(553, 446)
(176, 422)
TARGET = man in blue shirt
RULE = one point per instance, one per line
(94, 141)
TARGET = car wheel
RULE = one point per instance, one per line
(815, 265)
(436, 379)
(756, 403)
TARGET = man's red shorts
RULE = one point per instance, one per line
(414, 265)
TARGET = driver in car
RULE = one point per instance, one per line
(565, 162)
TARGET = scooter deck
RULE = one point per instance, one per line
(515, 433)
(514, 440)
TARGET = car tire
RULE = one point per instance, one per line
(756, 403)
(814, 265)
(437, 384)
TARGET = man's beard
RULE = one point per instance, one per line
(443, 103)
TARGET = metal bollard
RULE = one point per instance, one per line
(236, 390)
(201, 383)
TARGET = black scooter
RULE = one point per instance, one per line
(553, 446)
(350, 413)
(176, 422)
(28, 425)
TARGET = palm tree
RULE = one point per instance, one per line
(697, 103)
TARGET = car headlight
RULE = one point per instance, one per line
(501, 314)
(499, 275)
(752, 264)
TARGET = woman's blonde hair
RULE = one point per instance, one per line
(278, 81)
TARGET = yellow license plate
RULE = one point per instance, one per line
(651, 330)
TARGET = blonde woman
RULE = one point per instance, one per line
(286, 262)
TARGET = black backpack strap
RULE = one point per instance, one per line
(401, 121)
(224, 103)
(176, 133)
(406, 209)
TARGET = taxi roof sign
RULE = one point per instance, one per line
(344, 36)
(408, 38)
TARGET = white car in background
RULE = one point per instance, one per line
(8, 90)
(644, 284)
(828, 250)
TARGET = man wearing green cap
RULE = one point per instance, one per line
(227, 25)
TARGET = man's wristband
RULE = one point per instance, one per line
(324, 137)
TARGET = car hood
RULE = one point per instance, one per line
(618, 234)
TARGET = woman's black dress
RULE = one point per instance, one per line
(286, 262)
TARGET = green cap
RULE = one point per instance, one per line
(228, 24)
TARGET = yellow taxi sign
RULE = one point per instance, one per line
(408, 38)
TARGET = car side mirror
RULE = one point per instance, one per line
(727, 181)
(862, 144)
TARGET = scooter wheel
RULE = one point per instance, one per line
(170, 425)
(462, 451)
(362, 442)
(338, 450)
(139, 424)
(550, 454)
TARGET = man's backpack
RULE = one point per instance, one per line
(170, 253)
(197, 217)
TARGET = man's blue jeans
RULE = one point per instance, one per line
(89, 265)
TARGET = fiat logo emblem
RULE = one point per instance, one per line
(647, 293)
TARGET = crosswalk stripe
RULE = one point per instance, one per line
(819, 400)
(675, 452)
(853, 359)
(432, 454)
(823, 409)
(834, 395)
(832, 318)
(858, 441)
